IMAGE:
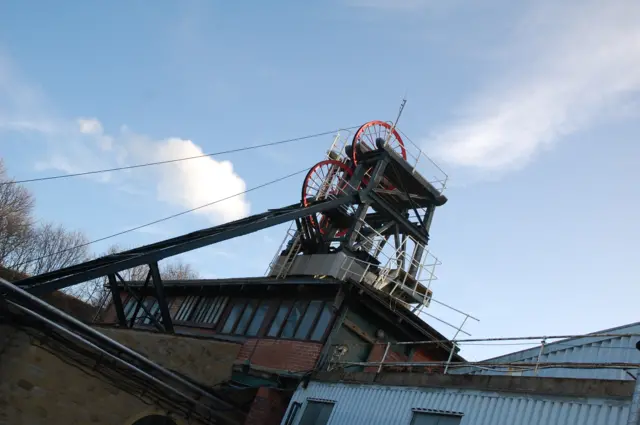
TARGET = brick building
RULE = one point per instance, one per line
(286, 330)
(352, 276)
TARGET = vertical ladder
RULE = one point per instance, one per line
(294, 248)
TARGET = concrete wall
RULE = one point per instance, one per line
(36, 387)
(203, 360)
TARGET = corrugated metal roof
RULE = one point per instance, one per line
(578, 350)
(383, 405)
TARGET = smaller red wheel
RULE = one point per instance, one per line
(366, 136)
(365, 140)
(325, 179)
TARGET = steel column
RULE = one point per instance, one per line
(161, 298)
(140, 303)
(406, 226)
(117, 300)
(363, 208)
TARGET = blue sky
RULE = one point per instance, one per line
(531, 107)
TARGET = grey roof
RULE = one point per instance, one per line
(584, 349)
(366, 404)
(290, 280)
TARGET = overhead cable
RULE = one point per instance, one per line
(169, 161)
(160, 220)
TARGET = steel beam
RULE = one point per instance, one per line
(161, 298)
(40, 285)
(363, 208)
(117, 301)
(405, 225)
(140, 304)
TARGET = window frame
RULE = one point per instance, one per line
(317, 401)
(272, 306)
(142, 318)
(190, 302)
(326, 304)
(218, 301)
(437, 413)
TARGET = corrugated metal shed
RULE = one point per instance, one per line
(384, 405)
(579, 350)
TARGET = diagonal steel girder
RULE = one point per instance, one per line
(63, 278)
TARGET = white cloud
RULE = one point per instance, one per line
(80, 145)
(186, 184)
(200, 181)
(90, 126)
(571, 65)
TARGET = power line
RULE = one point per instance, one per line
(169, 161)
(133, 229)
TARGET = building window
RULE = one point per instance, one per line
(291, 415)
(233, 316)
(154, 309)
(309, 318)
(209, 310)
(428, 418)
(246, 316)
(301, 320)
(186, 308)
(323, 323)
(292, 319)
(316, 413)
(142, 317)
(258, 319)
(281, 315)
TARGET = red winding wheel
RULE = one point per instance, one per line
(366, 137)
(367, 134)
(326, 178)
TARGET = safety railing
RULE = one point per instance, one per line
(405, 271)
(277, 265)
(528, 366)
(421, 163)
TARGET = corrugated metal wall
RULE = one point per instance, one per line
(579, 350)
(383, 405)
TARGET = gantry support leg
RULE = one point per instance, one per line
(117, 301)
(162, 299)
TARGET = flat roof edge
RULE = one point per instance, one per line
(562, 387)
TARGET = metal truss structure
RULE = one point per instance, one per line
(365, 211)
(368, 206)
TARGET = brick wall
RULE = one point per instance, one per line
(268, 407)
(376, 354)
(285, 355)
(420, 356)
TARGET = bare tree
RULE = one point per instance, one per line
(16, 205)
(48, 248)
(33, 249)
(178, 271)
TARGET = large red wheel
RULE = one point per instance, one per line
(366, 137)
(326, 178)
